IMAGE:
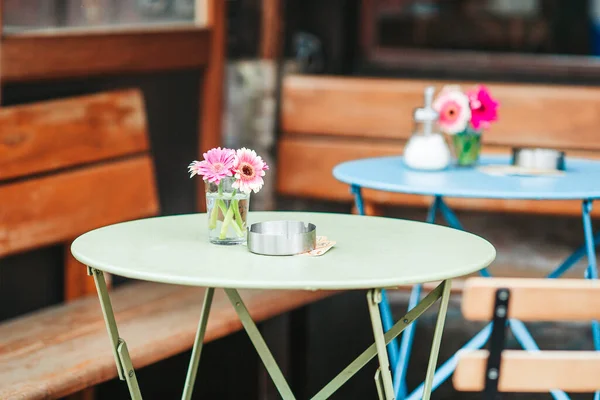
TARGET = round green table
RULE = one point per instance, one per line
(371, 254)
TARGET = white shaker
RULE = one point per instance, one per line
(427, 149)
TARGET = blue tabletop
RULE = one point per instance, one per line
(390, 174)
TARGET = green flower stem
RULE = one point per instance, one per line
(218, 205)
(226, 222)
(214, 213)
(212, 222)
(238, 216)
(239, 224)
(222, 206)
(232, 214)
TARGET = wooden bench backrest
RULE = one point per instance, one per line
(533, 300)
(327, 120)
(69, 166)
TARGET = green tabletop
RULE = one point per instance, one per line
(371, 252)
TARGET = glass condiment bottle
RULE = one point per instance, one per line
(427, 149)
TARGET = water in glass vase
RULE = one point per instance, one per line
(227, 216)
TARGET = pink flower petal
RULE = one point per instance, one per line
(218, 163)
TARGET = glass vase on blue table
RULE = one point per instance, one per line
(463, 116)
(466, 147)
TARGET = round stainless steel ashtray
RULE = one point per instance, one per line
(281, 238)
(540, 159)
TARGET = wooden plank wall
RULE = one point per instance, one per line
(328, 120)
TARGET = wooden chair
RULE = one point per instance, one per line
(498, 370)
(66, 167)
(326, 120)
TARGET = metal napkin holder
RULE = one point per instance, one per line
(281, 238)
(539, 158)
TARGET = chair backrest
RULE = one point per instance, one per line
(532, 300)
(69, 166)
(327, 120)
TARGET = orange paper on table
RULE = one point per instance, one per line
(323, 245)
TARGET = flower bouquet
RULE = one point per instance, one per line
(464, 116)
(229, 177)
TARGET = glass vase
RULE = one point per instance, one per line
(227, 211)
(466, 146)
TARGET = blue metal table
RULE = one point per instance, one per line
(390, 174)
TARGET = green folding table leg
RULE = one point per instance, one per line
(437, 339)
(119, 347)
(371, 351)
(379, 385)
(198, 342)
(373, 299)
(260, 345)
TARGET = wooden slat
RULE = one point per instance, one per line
(76, 281)
(42, 137)
(305, 165)
(67, 349)
(211, 112)
(271, 41)
(534, 299)
(35, 56)
(492, 64)
(56, 208)
(522, 371)
(530, 115)
(86, 394)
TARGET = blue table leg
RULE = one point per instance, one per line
(517, 327)
(449, 215)
(527, 342)
(358, 199)
(573, 258)
(592, 269)
(387, 320)
(408, 335)
(384, 306)
(444, 372)
(406, 343)
(454, 222)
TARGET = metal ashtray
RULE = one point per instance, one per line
(282, 238)
(537, 158)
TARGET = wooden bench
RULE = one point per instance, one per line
(532, 300)
(61, 350)
(67, 167)
(327, 120)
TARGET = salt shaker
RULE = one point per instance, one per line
(427, 149)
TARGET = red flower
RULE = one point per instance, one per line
(484, 108)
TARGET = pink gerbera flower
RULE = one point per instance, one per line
(484, 109)
(453, 108)
(249, 170)
(218, 163)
